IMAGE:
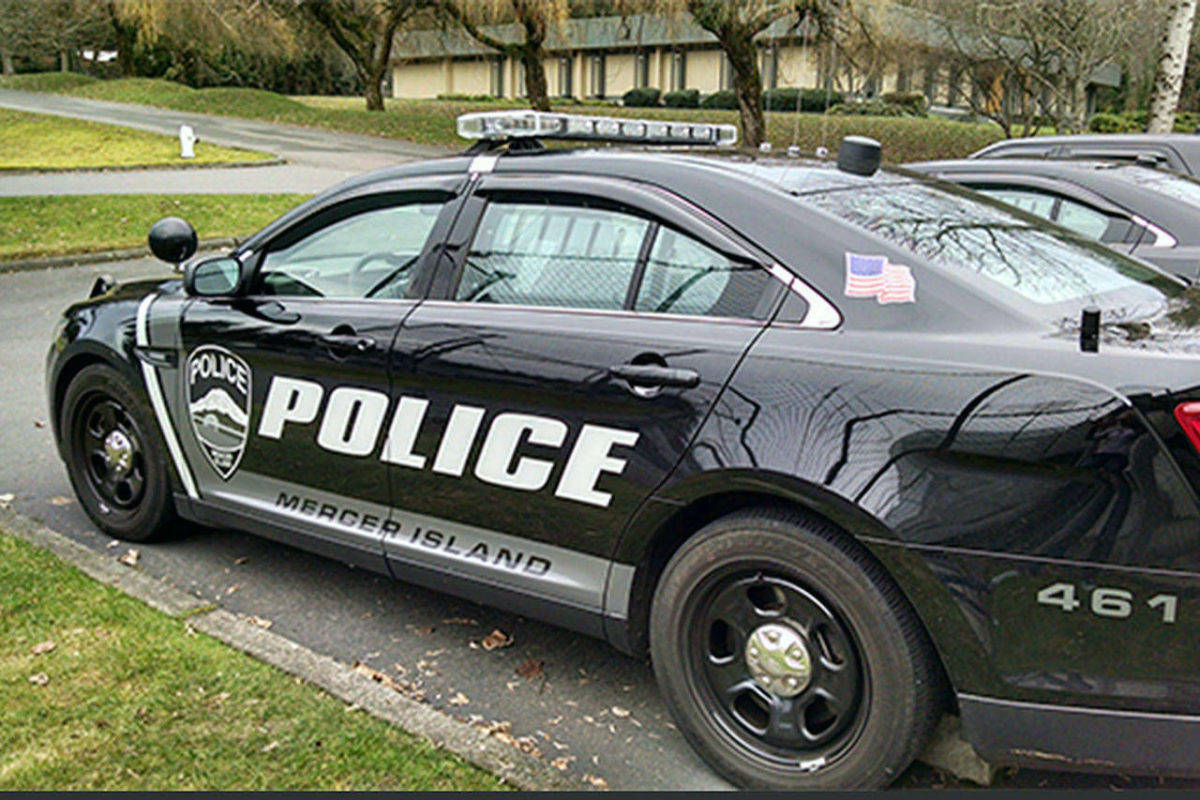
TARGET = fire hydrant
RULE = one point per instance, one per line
(187, 142)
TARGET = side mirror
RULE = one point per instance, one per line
(172, 240)
(212, 277)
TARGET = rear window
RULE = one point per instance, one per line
(960, 230)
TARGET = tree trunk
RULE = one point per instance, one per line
(64, 61)
(373, 91)
(747, 83)
(1076, 116)
(6, 60)
(1168, 79)
(535, 79)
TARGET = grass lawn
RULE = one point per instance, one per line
(432, 121)
(132, 700)
(42, 141)
(60, 225)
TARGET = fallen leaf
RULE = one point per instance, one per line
(39, 679)
(112, 544)
(60, 501)
(6, 500)
(532, 669)
(43, 647)
(37, 423)
(459, 699)
(260, 622)
(596, 780)
(241, 560)
(233, 588)
(560, 763)
(620, 712)
(495, 640)
(130, 559)
(270, 746)
(420, 630)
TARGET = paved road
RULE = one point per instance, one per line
(417, 636)
(316, 158)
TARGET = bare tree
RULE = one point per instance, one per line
(1172, 62)
(1043, 54)
(533, 18)
(364, 30)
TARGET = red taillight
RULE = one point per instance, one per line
(1188, 417)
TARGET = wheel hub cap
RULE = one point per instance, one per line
(778, 659)
(118, 453)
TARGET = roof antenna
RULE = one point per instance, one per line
(1089, 330)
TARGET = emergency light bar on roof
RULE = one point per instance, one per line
(503, 125)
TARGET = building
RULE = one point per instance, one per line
(604, 57)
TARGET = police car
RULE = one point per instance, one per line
(839, 448)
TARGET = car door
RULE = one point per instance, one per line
(285, 384)
(568, 354)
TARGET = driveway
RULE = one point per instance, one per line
(572, 697)
(316, 158)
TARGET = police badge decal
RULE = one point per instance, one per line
(219, 405)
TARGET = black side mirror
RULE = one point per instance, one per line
(172, 240)
(212, 277)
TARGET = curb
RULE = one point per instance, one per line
(340, 680)
(270, 162)
(101, 256)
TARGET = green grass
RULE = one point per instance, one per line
(432, 121)
(136, 701)
(60, 225)
(41, 141)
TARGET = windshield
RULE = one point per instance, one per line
(962, 231)
(1177, 187)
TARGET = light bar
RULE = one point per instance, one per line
(501, 125)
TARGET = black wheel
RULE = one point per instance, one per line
(788, 658)
(115, 456)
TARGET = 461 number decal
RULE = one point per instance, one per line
(1107, 601)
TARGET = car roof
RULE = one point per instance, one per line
(1185, 146)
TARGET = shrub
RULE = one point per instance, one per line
(645, 97)
(684, 98)
(726, 99)
(870, 108)
(1111, 123)
(915, 102)
(811, 100)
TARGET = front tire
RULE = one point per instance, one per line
(789, 658)
(116, 458)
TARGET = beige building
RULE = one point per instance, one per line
(604, 57)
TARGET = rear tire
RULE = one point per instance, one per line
(116, 458)
(854, 699)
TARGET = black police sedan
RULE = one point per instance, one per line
(840, 449)
(1178, 152)
(1150, 213)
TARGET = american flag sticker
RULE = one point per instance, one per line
(874, 276)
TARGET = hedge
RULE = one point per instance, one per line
(645, 97)
(685, 98)
(726, 99)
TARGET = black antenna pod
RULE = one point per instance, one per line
(1089, 330)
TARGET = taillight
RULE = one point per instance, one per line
(1188, 417)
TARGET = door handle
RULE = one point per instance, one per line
(655, 375)
(349, 341)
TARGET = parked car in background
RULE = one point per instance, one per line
(1179, 152)
(1152, 214)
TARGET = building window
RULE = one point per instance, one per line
(497, 79)
(641, 70)
(931, 81)
(596, 75)
(565, 68)
(770, 67)
(726, 72)
(678, 77)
